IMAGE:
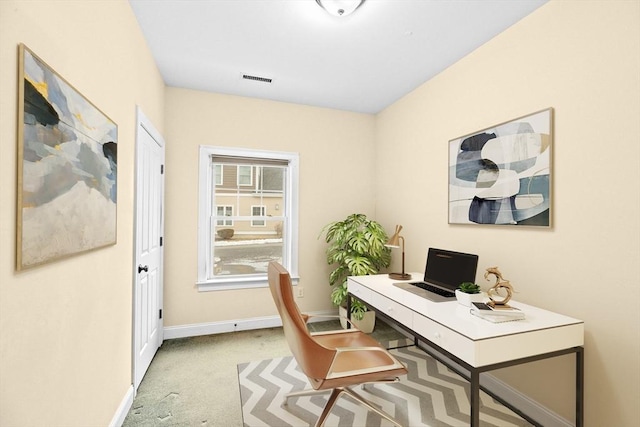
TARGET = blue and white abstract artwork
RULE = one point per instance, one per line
(67, 168)
(502, 175)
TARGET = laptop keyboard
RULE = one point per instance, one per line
(434, 289)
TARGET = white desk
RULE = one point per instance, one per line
(474, 343)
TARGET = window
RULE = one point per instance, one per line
(224, 211)
(269, 179)
(245, 175)
(258, 211)
(248, 216)
(219, 174)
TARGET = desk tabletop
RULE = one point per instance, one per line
(458, 318)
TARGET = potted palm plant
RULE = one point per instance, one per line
(356, 248)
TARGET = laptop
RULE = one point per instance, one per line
(443, 274)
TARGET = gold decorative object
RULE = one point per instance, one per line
(494, 290)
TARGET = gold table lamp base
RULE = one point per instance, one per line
(400, 276)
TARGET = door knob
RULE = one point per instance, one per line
(142, 268)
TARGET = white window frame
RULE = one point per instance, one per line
(250, 184)
(225, 222)
(221, 181)
(259, 173)
(263, 212)
(206, 191)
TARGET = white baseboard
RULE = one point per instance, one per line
(194, 330)
(533, 409)
(123, 409)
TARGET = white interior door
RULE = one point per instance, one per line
(149, 229)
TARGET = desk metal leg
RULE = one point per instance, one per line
(475, 397)
(580, 387)
(461, 368)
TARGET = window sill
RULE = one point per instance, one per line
(237, 283)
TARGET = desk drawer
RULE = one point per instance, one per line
(359, 291)
(397, 312)
(451, 341)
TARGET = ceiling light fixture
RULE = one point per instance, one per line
(340, 7)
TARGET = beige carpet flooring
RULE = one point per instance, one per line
(194, 381)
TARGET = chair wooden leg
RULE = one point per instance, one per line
(307, 392)
(335, 393)
(370, 405)
(311, 392)
(355, 396)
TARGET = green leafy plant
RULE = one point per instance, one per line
(356, 248)
(469, 288)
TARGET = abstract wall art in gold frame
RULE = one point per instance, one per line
(67, 168)
(502, 175)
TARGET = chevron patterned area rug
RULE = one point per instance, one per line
(429, 395)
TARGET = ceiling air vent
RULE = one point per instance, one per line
(257, 78)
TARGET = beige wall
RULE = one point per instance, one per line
(65, 328)
(336, 179)
(582, 59)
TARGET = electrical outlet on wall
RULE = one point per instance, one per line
(300, 292)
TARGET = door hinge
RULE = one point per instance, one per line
(161, 241)
(160, 314)
(161, 169)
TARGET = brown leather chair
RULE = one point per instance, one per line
(332, 361)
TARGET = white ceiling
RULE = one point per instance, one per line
(363, 62)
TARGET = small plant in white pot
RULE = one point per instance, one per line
(468, 293)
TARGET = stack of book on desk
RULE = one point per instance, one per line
(496, 314)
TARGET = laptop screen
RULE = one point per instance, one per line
(448, 269)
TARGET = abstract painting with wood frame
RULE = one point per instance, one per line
(67, 168)
(502, 175)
